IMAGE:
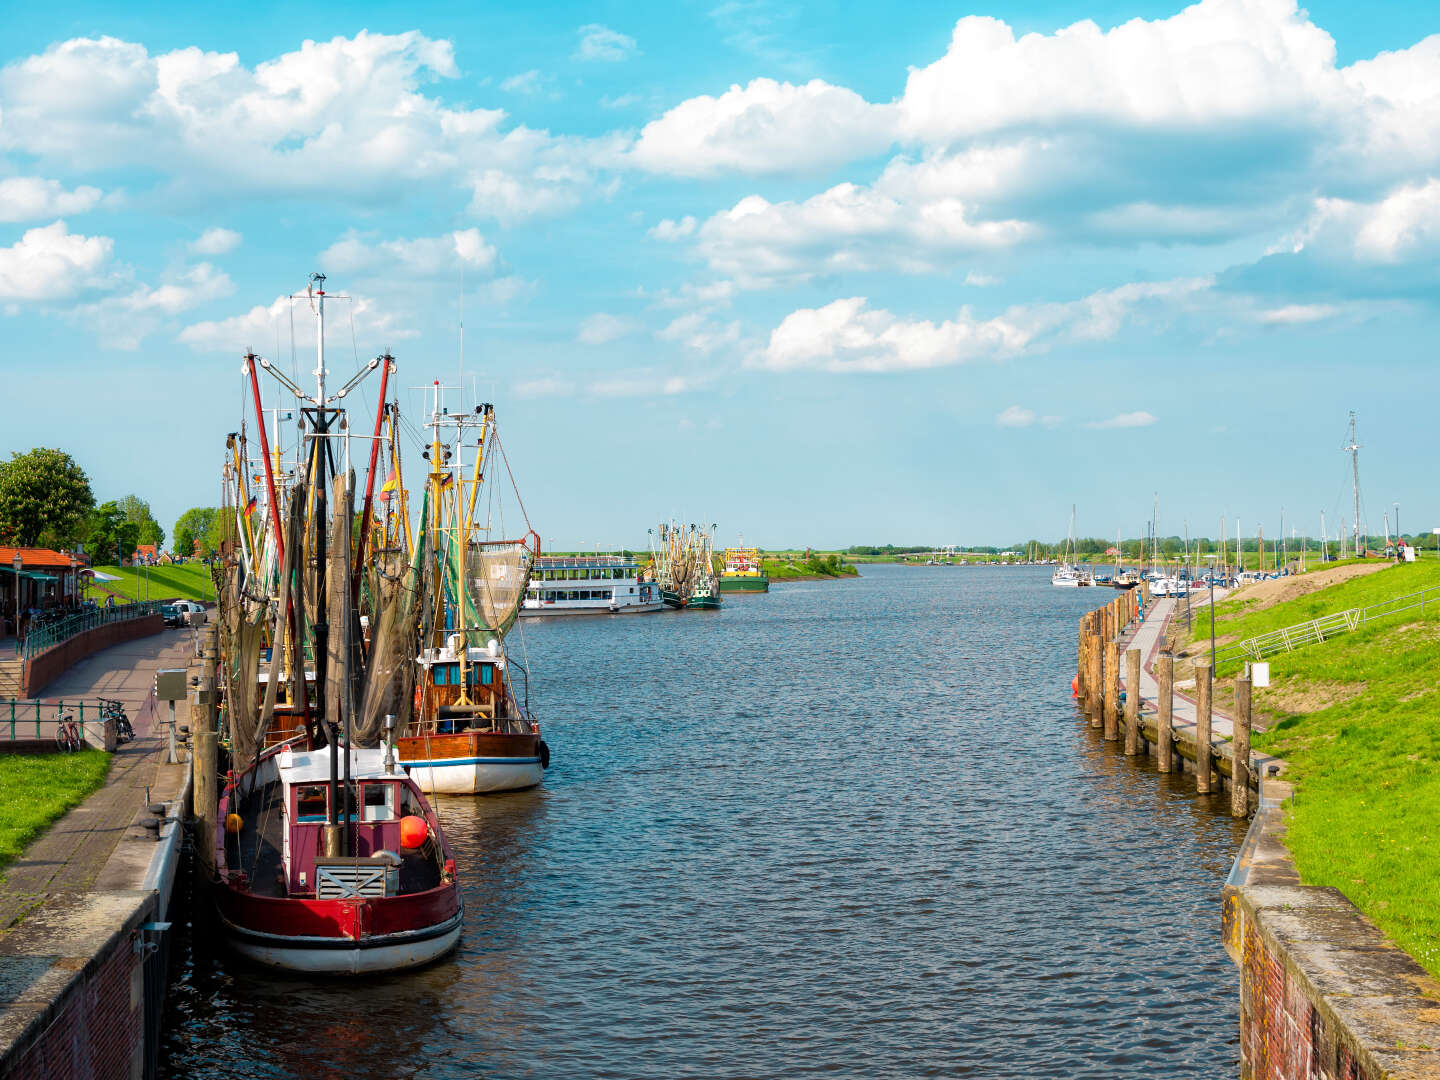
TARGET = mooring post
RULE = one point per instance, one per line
(1240, 751)
(1112, 688)
(1203, 679)
(1095, 683)
(1080, 660)
(1165, 747)
(1132, 702)
(203, 766)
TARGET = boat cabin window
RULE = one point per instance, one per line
(310, 802)
(379, 802)
(487, 674)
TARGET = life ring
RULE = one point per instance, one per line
(544, 752)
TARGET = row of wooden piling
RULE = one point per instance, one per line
(1097, 690)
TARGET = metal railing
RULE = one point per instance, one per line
(1324, 628)
(41, 638)
(24, 718)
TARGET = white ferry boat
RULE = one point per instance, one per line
(589, 585)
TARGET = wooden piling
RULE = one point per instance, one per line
(1203, 683)
(1165, 746)
(1240, 751)
(1112, 688)
(203, 766)
(1132, 702)
(1080, 660)
(1095, 682)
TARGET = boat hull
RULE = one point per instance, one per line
(560, 608)
(704, 603)
(745, 584)
(472, 762)
(355, 936)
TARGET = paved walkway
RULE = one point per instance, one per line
(68, 857)
(1148, 639)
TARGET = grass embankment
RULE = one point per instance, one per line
(815, 568)
(183, 581)
(1358, 720)
(35, 789)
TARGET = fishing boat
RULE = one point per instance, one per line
(589, 585)
(683, 565)
(469, 732)
(743, 571)
(331, 860)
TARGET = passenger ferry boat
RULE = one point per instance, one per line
(589, 585)
(743, 572)
(391, 903)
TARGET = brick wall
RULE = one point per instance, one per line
(44, 669)
(95, 1027)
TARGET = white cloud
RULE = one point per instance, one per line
(696, 331)
(1405, 223)
(1292, 314)
(847, 335)
(601, 43)
(28, 198)
(51, 263)
(1125, 420)
(216, 241)
(122, 322)
(527, 82)
(1015, 416)
(549, 386)
(979, 280)
(766, 127)
(674, 230)
(601, 328)
(620, 101)
(424, 256)
(346, 117)
(256, 328)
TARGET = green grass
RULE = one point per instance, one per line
(1364, 755)
(184, 581)
(800, 568)
(35, 789)
(1236, 618)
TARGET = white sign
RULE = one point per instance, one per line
(1260, 673)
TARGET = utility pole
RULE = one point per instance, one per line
(1324, 540)
(1354, 451)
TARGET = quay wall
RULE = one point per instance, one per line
(42, 670)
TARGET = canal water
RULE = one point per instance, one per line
(853, 829)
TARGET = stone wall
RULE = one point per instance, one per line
(42, 670)
(1324, 995)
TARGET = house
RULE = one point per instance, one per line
(145, 555)
(37, 578)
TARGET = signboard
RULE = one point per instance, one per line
(170, 684)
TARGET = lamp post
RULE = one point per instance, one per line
(74, 584)
(17, 563)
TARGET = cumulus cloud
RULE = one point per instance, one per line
(1015, 416)
(601, 43)
(765, 127)
(674, 230)
(1125, 420)
(698, 332)
(348, 116)
(257, 327)
(424, 256)
(1293, 314)
(29, 198)
(52, 263)
(601, 328)
(123, 321)
(216, 241)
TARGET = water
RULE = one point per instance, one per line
(852, 829)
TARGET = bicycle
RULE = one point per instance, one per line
(67, 735)
(115, 710)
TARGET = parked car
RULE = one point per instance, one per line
(186, 613)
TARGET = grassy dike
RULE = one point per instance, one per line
(1358, 720)
(182, 581)
(35, 789)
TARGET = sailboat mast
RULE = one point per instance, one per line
(1354, 451)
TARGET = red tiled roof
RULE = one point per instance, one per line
(30, 558)
(147, 549)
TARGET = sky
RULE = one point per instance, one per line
(823, 274)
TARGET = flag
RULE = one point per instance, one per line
(391, 485)
(447, 480)
(250, 508)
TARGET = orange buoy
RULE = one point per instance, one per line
(1075, 686)
(233, 824)
(413, 831)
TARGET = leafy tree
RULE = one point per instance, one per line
(43, 494)
(196, 522)
(184, 541)
(222, 528)
(109, 535)
(137, 510)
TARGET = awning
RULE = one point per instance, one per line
(35, 575)
(103, 577)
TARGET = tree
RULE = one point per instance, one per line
(110, 535)
(137, 510)
(43, 494)
(195, 522)
(184, 545)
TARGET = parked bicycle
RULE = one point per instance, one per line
(115, 710)
(67, 735)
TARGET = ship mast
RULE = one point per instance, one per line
(1354, 451)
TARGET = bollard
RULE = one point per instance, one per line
(1095, 682)
(1165, 746)
(1240, 751)
(1112, 688)
(1204, 680)
(1132, 702)
(206, 799)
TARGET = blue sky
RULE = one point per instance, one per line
(824, 274)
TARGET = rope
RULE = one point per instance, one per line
(505, 458)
